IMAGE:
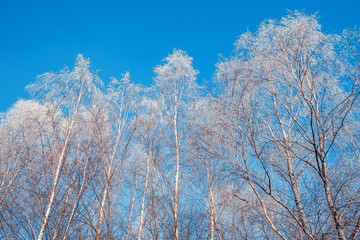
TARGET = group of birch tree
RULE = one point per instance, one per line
(269, 149)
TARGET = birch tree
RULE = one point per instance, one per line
(68, 91)
(176, 84)
(270, 151)
(291, 91)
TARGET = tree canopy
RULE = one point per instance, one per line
(268, 150)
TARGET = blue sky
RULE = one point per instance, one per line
(118, 36)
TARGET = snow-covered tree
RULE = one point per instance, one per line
(291, 92)
(176, 88)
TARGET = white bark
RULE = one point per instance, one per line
(142, 211)
(177, 172)
(61, 160)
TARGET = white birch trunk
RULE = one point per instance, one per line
(142, 213)
(177, 173)
(59, 166)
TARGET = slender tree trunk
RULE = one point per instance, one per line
(107, 183)
(290, 164)
(177, 172)
(213, 218)
(295, 189)
(102, 204)
(78, 196)
(142, 213)
(331, 203)
(55, 182)
(132, 205)
(59, 166)
(212, 204)
(212, 214)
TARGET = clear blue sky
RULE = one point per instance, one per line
(118, 36)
